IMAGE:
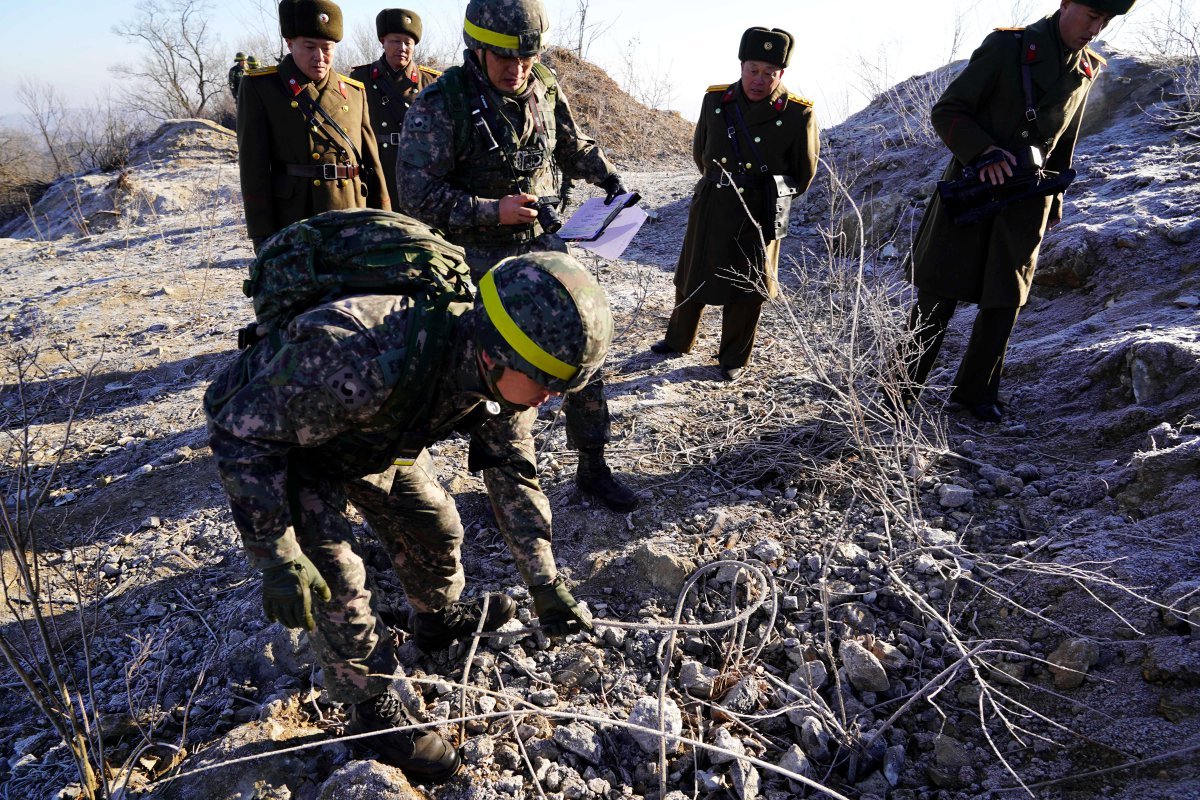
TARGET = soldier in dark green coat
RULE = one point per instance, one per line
(305, 143)
(730, 258)
(236, 72)
(991, 263)
(393, 83)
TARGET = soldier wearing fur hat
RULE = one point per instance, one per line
(1020, 99)
(393, 82)
(756, 144)
(305, 142)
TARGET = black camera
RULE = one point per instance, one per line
(547, 213)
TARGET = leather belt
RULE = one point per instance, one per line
(325, 172)
(722, 178)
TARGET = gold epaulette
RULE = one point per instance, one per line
(351, 81)
(254, 73)
(718, 87)
(1009, 30)
(429, 70)
(804, 101)
(1103, 61)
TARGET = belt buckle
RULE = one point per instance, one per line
(329, 172)
(394, 138)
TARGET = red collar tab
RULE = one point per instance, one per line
(295, 86)
(1087, 67)
(1031, 52)
(342, 88)
(414, 76)
(375, 72)
(728, 96)
(780, 102)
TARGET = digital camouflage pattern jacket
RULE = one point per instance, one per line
(457, 190)
(322, 399)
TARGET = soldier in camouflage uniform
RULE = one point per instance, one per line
(305, 143)
(479, 148)
(235, 74)
(313, 418)
(393, 83)
(1024, 91)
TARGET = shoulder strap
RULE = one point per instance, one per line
(1028, 52)
(317, 116)
(454, 90)
(548, 78)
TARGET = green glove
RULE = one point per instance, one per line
(287, 592)
(557, 611)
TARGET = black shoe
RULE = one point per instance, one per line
(731, 373)
(662, 348)
(437, 630)
(423, 756)
(987, 412)
(595, 478)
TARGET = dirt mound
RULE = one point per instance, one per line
(630, 133)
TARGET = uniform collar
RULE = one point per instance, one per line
(289, 72)
(761, 110)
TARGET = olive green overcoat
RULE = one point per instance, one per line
(992, 262)
(723, 255)
(389, 96)
(272, 133)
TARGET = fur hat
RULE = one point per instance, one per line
(319, 19)
(773, 46)
(1110, 6)
(398, 20)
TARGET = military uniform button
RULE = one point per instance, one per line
(757, 139)
(723, 159)
(718, 111)
(341, 183)
(345, 109)
(779, 123)
(316, 156)
(749, 165)
(295, 104)
(385, 145)
(384, 124)
(316, 181)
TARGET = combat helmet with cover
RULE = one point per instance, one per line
(514, 28)
(544, 315)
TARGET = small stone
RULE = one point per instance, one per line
(768, 551)
(952, 496)
(646, 715)
(582, 740)
(794, 760)
(697, 679)
(810, 675)
(863, 668)
(1071, 661)
(745, 780)
(546, 698)
(722, 738)
(1187, 301)
(814, 739)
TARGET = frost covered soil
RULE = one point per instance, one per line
(1050, 548)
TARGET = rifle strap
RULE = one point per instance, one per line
(1028, 53)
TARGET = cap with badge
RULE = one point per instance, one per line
(773, 46)
(1110, 6)
(398, 20)
(318, 19)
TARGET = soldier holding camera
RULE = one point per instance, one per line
(1011, 116)
(477, 161)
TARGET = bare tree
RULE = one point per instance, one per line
(581, 32)
(181, 73)
(48, 115)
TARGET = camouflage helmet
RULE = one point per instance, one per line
(507, 27)
(239, 57)
(544, 315)
(252, 62)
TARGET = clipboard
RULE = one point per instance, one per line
(589, 221)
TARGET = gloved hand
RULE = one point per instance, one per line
(612, 186)
(287, 592)
(558, 612)
(566, 193)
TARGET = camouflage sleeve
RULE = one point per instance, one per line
(577, 155)
(425, 159)
(521, 507)
(805, 150)
(319, 382)
(956, 113)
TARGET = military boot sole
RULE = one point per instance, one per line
(501, 608)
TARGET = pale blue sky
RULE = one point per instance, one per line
(690, 44)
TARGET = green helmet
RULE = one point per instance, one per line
(544, 315)
(508, 27)
(252, 62)
(240, 57)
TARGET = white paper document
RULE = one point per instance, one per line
(590, 219)
(619, 233)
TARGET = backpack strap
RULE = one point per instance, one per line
(454, 90)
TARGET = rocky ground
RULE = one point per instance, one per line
(817, 598)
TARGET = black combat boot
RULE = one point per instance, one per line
(595, 478)
(423, 756)
(437, 630)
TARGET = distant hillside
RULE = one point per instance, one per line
(630, 133)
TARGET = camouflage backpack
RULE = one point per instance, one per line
(357, 251)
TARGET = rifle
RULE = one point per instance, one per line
(970, 200)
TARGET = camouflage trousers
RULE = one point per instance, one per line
(586, 411)
(417, 522)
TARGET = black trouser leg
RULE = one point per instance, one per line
(739, 325)
(684, 323)
(978, 379)
(928, 321)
